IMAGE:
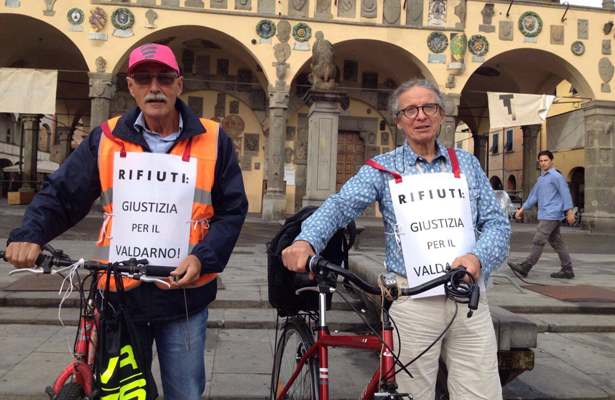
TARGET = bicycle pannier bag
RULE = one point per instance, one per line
(123, 371)
(283, 283)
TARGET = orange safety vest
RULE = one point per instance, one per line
(203, 147)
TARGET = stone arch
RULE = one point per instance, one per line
(371, 56)
(176, 37)
(509, 72)
(576, 179)
(496, 183)
(40, 45)
(511, 183)
(4, 176)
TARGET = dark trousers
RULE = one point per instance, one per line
(549, 231)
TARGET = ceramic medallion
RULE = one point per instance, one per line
(578, 48)
(478, 45)
(437, 42)
(75, 16)
(530, 24)
(265, 29)
(302, 32)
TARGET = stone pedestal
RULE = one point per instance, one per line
(530, 133)
(449, 125)
(599, 215)
(66, 137)
(323, 123)
(274, 201)
(480, 149)
(102, 90)
(31, 124)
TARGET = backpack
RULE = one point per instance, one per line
(283, 283)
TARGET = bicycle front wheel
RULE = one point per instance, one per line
(295, 340)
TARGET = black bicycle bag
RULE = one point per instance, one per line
(283, 283)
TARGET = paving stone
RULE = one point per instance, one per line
(253, 386)
(572, 322)
(32, 375)
(18, 341)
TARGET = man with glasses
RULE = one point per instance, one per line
(172, 192)
(438, 210)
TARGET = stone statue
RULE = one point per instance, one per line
(323, 72)
(101, 64)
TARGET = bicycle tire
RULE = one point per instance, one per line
(294, 341)
(71, 391)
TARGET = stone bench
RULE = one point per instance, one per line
(516, 336)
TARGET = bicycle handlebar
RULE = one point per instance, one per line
(318, 264)
(133, 268)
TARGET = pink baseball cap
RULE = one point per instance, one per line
(152, 52)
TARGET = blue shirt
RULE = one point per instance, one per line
(155, 141)
(552, 194)
(370, 185)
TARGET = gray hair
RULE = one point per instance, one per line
(404, 87)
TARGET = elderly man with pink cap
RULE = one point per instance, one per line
(172, 192)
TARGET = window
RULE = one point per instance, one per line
(9, 137)
(509, 140)
(494, 146)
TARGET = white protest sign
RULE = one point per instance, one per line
(152, 207)
(435, 223)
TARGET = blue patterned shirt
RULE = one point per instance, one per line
(370, 184)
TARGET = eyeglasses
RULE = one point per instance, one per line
(145, 78)
(412, 112)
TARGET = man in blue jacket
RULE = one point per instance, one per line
(153, 131)
(553, 196)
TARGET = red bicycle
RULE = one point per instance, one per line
(300, 368)
(78, 380)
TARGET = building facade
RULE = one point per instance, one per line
(247, 63)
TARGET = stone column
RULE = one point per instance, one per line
(480, 149)
(322, 144)
(274, 201)
(102, 90)
(530, 133)
(599, 215)
(31, 123)
(301, 144)
(447, 130)
(66, 137)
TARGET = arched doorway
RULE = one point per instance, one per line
(577, 186)
(4, 177)
(511, 184)
(496, 183)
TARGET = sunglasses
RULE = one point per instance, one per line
(145, 78)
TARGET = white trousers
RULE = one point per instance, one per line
(469, 348)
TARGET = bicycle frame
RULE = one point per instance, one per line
(85, 354)
(326, 340)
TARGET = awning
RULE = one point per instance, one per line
(43, 167)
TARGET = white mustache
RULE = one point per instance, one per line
(155, 97)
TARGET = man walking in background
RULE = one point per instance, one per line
(553, 196)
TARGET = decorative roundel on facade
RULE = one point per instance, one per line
(478, 45)
(302, 32)
(122, 18)
(265, 28)
(437, 42)
(75, 16)
(98, 19)
(578, 48)
(530, 24)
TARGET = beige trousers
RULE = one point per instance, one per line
(469, 348)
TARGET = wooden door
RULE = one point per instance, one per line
(350, 156)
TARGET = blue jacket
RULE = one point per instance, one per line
(70, 192)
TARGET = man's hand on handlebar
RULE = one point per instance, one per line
(188, 272)
(295, 256)
(23, 254)
(470, 262)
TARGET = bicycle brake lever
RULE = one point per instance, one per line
(35, 271)
(154, 280)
